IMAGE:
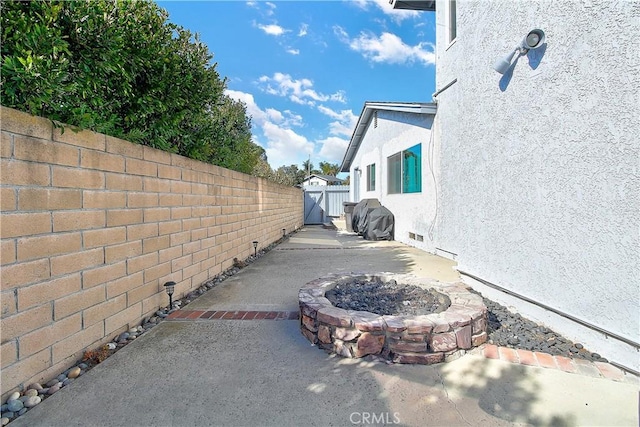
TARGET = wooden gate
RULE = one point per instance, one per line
(321, 202)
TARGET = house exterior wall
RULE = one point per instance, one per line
(413, 212)
(314, 180)
(93, 226)
(538, 170)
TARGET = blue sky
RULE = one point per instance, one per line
(305, 68)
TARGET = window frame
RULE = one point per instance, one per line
(371, 177)
(401, 177)
(452, 21)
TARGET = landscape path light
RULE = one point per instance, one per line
(169, 287)
(255, 248)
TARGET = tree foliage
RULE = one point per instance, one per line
(120, 68)
(330, 169)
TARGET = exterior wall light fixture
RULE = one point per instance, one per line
(533, 40)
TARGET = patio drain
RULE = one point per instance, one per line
(414, 339)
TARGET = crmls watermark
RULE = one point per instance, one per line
(365, 418)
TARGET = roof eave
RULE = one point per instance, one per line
(365, 117)
(423, 5)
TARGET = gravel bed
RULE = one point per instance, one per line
(507, 329)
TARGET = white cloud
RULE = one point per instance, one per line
(345, 121)
(398, 15)
(272, 29)
(298, 91)
(303, 30)
(272, 130)
(388, 48)
(293, 51)
(333, 149)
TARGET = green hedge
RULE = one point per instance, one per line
(120, 68)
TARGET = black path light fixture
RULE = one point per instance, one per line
(255, 248)
(169, 287)
(284, 233)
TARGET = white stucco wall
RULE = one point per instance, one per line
(539, 169)
(413, 212)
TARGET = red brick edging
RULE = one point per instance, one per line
(544, 360)
(232, 315)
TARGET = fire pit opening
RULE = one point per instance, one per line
(397, 317)
(387, 298)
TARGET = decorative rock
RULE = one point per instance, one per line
(14, 405)
(309, 323)
(5, 420)
(346, 334)
(369, 344)
(22, 411)
(74, 372)
(61, 377)
(31, 392)
(3, 408)
(66, 382)
(123, 337)
(14, 396)
(111, 346)
(324, 334)
(35, 386)
(83, 366)
(443, 342)
(32, 401)
(463, 337)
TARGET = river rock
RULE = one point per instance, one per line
(15, 405)
(74, 372)
(14, 396)
(31, 392)
(36, 386)
(53, 389)
(32, 401)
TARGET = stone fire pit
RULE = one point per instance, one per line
(423, 339)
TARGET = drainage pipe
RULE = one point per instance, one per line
(565, 315)
(554, 310)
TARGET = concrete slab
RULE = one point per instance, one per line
(265, 373)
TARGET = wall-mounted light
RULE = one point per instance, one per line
(169, 287)
(533, 40)
(255, 248)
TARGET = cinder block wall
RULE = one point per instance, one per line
(93, 226)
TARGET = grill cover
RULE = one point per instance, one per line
(372, 220)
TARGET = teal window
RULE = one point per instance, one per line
(412, 170)
(405, 171)
(371, 177)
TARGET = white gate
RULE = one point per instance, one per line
(322, 202)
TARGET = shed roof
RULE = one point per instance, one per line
(328, 178)
(366, 115)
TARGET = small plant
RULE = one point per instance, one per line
(96, 356)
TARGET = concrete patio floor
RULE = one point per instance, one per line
(220, 372)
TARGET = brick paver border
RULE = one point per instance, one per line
(548, 361)
(232, 315)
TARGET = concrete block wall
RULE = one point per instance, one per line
(93, 226)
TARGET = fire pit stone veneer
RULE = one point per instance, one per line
(422, 339)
